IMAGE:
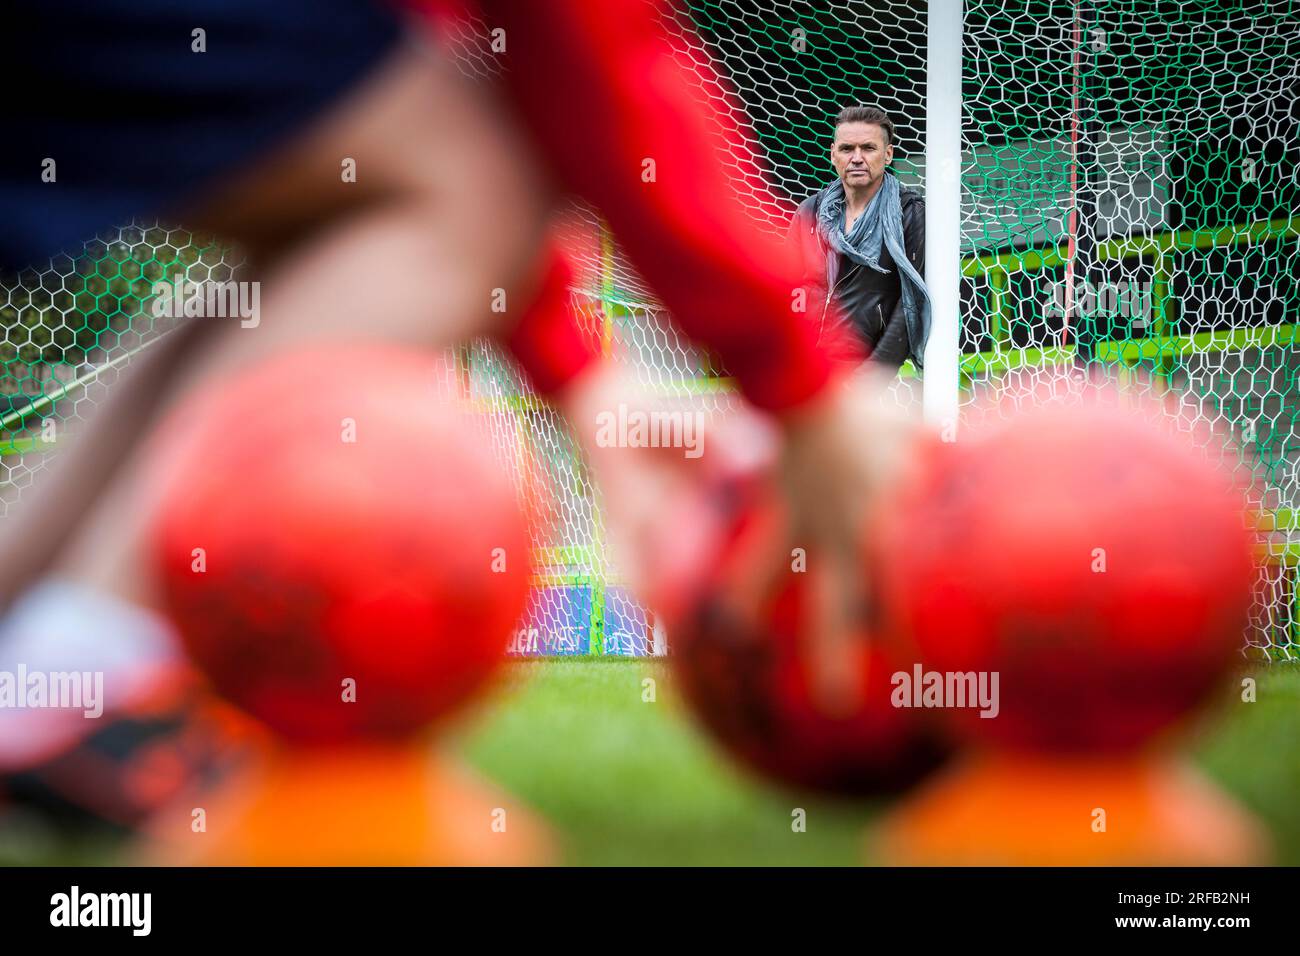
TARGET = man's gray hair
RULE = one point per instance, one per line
(867, 114)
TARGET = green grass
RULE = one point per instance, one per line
(1255, 754)
(625, 781)
(631, 782)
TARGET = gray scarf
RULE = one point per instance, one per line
(881, 224)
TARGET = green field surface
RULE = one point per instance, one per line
(625, 781)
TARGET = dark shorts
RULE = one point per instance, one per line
(138, 123)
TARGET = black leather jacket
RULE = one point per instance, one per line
(871, 300)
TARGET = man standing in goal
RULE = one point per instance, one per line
(862, 243)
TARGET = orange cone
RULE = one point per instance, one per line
(1035, 810)
(364, 805)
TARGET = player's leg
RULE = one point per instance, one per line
(443, 212)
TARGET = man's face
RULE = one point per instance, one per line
(860, 153)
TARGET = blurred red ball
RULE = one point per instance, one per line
(353, 527)
(746, 676)
(1091, 555)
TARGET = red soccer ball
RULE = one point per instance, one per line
(747, 679)
(337, 548)
(1090, 555)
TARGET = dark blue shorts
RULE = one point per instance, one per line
(138, 123)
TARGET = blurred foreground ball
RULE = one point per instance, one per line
(743, 663)
(1091, 555)
(335, 544)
